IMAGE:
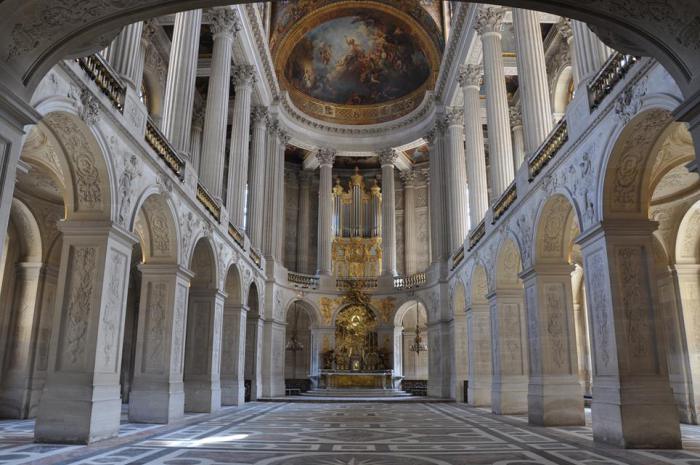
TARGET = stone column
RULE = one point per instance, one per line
(272, 375)
(304, 221)
(179, 87)
(81, 402)
(279, 195)
(470, 80)
(532, 78)
(632, 400)
(224, 26)
(253, 355)
(509, 354)
(488, 26)
(409, 218)
(157, 393)
(272, 207)
(233, 355)
(256, 177)
(196, 138)
(325, 157)
(516, 124)
(555, 396)
(591, 52)
(436, 193)
(243, 78)
(203, 351)
(387, 158)
(479, 349)
(126, 55)
(456, 171)
(583, 347)
(440, 360)
(567, 33)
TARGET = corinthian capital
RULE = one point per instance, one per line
(387, 156)
(243, 75)
(564, 28)
(325, 156)
(408, 177)
(259, 114)
(471, 75)
(490, 19)
(516, 117)
(283, 136)
(454, 116)
(224, 21)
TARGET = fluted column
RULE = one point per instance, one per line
(283, 138)
(243, 78)
(500, 143)
(256, 177)
(325, 157)
(270, 191)
(224, 26)
(567, 33)
(126, 54)
(470, 80)
(456, 177)
(387, 158)
(196, 137)
(516, 125)
(303, 221)
(409, 220)
(532, 78)
(182, 71)
(590, 52)
(435, 141)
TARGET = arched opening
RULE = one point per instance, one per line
(461, 359)
(233, 341)
(253, 346)
(203, 343)
(300, 356)
(413, 347)
(509, 333)
(562, 92)
(479, 340)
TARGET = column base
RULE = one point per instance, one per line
(509, 397)
(232, 392)
(637, 416)
(157, 405)
(479, 396)
(555, 403)
(202, 397)
(67, 419)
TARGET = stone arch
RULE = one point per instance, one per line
(309, 307)
(415, 369)
(233, 286)
(508, 265)
(155, 224)
(28, 232)
(406, 306)
(461, 339)
(688, 242)
(561, 91)
(556, 227)
(301, 351)
(253, 300)
(203, 264)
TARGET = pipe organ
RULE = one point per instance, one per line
(357, 228)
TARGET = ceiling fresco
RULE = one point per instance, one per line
(356, 62)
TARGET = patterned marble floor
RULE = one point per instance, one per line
(341, 434)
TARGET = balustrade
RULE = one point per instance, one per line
(106, 79)
(549, 148)
(610, 74)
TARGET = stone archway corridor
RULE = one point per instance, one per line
(341, 434)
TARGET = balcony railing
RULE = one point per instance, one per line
(356, 283)
(610, 74)
(457, 258)
(255, 256)
(410, 282)
(164, 150)
(208, 201)
(236, 235)
(477, 234)
(504, 202)
(303, 281)
(106, 79)
(549, 148)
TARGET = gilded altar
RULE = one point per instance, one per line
(332, 379)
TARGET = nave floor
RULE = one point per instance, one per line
(341, 434)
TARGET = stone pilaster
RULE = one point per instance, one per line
(243, 78)
(632, 400)
(157, 393)
(555, 396)
(590, 51)
(81, 402)
(284, 138)
(438, 244)
(256, 177)
(325, 157)
(179, 87)
(479, 349)
(233, 355)
(196, 137)
(253, 355)
(387, 158)
(409, 219)
(126, 54)
(488, 26)
(224, 26)
(203, 351)
(516, 124)
(456, 178)
(532, 79)
(304, 221)
(470, 80)
(273, 225)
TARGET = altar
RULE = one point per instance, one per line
(343, 379)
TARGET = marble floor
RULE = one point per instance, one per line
(341, 434)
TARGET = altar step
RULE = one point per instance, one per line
(356, 392)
